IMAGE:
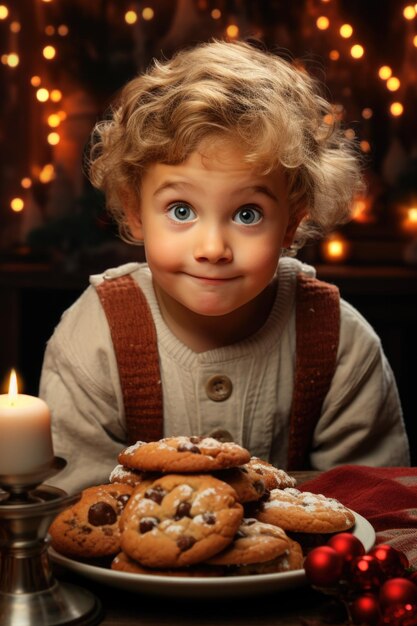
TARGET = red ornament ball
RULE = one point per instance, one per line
(390, 560)
(347, 545)
(397, 591)
(365, 610)
(323, 566)
(365, 573)
(400, 615)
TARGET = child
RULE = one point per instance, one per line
(222, 162)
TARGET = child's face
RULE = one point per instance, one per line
(212, 228)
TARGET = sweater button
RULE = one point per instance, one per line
(219, 388)
(220, 434)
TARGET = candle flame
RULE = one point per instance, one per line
(13, 391)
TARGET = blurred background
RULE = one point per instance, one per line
(61, 63)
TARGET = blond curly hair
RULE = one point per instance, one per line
(268, 105)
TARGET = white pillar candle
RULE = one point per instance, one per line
(25, 432)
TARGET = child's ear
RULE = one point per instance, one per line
(132, 215)
(135, 224)
(293, 224)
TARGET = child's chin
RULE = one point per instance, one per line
(215, 311)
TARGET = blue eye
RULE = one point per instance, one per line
(248, 215)
(181, 212)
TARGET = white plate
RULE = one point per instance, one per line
(203, 587)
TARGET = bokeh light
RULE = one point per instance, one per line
(17, 205)
(322, 22)
(357, 51)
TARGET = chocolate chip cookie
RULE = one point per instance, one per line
(128, 476)
(247, 483)
(183, 454)
(123, 563)
(254, 542)
(90, 527)
(179, 520)
(290, 560)
(273, 477)
(302, 511)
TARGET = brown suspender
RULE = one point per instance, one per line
(135, 344)
(317, 339)
(134, 340)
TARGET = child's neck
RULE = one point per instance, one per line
(202, 333)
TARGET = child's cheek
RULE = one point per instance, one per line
(164, 254)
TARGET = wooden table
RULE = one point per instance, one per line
(299, 607)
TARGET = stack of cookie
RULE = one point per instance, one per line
(195, 506)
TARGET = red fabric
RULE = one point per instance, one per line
(386, 497)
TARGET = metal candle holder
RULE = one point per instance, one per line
(29, 593)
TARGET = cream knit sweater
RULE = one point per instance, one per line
(361, 419)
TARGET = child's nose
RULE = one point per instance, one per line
(212, 246)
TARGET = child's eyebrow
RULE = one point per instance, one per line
(172, 184)
(261, 189)
(178, 185)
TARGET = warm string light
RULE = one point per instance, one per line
(365, 146)
(53, 138)
(131, 17)
(343, 32)
(367, 113)
(17, 205)
(409, 222)
(148, 14)
(409, 12)
(343, 46)
(56, 95)
(327, 21)
(396, 109)
(232, 31)
(47, 173)
(385, 72)
(412, 215)
(54, 120)
(362, 210)
(12, 59)
(357, 51)
(49, 52)
(322, 22)
(48, 95)
(393, 83)
(26, 182)
(45, 95)
(335, 248)
(346, 31)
